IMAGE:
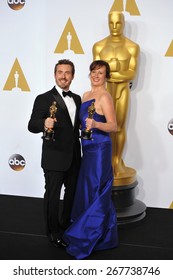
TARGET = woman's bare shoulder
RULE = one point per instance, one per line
(105, 96)
(85, 96)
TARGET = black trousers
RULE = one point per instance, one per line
(58, 212)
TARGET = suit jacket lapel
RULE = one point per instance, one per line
(59, 99)
(77, 109)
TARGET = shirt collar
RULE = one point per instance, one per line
(60, 90)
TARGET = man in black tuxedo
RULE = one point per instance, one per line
(62, 153)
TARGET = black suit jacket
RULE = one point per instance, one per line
(57, 155)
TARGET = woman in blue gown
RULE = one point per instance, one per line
(93, 215)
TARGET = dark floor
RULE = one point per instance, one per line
(22, 234)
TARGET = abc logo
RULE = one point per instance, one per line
(170, 126)
(16, 4)
(16, 162)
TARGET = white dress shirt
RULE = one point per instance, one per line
(71, 106)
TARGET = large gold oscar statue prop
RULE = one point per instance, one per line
(122, 55)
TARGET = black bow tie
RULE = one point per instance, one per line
(65, 93)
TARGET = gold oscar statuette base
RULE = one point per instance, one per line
(126, 178)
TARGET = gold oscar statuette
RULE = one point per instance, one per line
(48, 134)
(87, 133)
(122, 55)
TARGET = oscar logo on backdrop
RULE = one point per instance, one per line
(169, 52)
(129, 6)
(16, 81)
(122, 55)
(69, 42)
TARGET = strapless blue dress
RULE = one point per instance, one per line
(93, 216)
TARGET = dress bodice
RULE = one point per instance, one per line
(98, 136)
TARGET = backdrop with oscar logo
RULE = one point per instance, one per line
(35, 35)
